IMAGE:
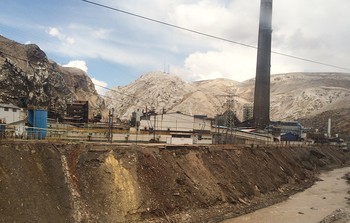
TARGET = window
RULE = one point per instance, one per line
(6, 109)
(181, 136)
(14, 109)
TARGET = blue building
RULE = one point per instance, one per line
(37, 123)
(287, 131)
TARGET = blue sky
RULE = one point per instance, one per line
(115, 49)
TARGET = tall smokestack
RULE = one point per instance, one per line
(329, 128)
(261, 111)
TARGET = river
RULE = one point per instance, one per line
(309, 206)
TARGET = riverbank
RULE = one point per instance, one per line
(340, 215)
(310, 206)
(86, 182)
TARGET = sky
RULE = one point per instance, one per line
(115, 48)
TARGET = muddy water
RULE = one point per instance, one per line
(310, 206)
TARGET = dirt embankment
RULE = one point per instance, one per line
(45, 182)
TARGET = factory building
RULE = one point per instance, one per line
(77, 113)
(179, 128)
(287, 131)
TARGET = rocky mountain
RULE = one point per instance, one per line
(299, 95)
(293, 95)
(162, 91)
(27, 76)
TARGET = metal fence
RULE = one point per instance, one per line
(126, 136)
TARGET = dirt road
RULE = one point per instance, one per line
(310, 206)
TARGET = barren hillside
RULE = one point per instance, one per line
(293, 95)
(299, 95)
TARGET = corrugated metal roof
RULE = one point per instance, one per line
(8, 106)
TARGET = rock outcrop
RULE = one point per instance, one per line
(28, 77)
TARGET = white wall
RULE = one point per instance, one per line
(11, 115)
(181, 141)
(170, 121)
(202, 124)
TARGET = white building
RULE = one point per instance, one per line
(9, 113)
(12, 117)
(181, 128)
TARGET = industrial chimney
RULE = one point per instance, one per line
(261, 112)
(329, 128)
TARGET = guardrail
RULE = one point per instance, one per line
(123, 136)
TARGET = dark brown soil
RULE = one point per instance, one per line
(60, 182)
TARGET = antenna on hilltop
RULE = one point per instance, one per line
(166, 68)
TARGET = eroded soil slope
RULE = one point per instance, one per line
(42, 182)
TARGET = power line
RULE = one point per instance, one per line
(209, 35)
(110, 98)
(10, 55)
(29, 62)
(110, 89)
(168, 24)
(26, 60)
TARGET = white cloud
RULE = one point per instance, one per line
(234, 21)
(235, 63)
(100, 43)
(298, 31)
(77, 64)
(314, 29)
(55, 32)
(99, 86)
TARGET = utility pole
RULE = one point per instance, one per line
(154, 128)
(155, 117)
(230, 114)
(230, 118)
(216, 122)
(262, 79)
(110, 122)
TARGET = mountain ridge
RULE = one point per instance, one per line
(293, 95)
(26, 72)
